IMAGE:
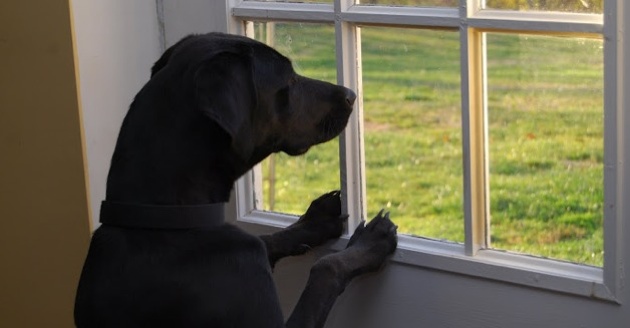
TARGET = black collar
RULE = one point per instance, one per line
(162, 216)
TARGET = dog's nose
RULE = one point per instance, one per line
(350, 97)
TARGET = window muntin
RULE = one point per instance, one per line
(545, 113)
(472, 258)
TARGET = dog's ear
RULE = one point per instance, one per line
(226, 93)
(166, 56)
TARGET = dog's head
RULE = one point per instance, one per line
(252, 92)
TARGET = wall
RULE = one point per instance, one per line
(183, 17)
(45, 203)
(44, 214)
(117, 42)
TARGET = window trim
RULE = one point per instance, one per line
(470, 258)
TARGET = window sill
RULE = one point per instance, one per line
(558, 276)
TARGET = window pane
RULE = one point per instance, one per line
(290, 183)
(412, 125)
(546, 146)
(418, 3)
(577, 6)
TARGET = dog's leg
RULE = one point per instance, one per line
(367, 251)
(321, 222)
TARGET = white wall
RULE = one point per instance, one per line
(117, 43)
(183, 17)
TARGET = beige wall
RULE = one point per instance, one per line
(44, 214)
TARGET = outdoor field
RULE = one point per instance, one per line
(545, 131)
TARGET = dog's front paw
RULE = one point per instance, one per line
(371, 244)
(323, 220)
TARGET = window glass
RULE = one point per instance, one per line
(412, 126)
(578, 6)
(290, 183)
(545, 113)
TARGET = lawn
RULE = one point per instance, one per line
(545, 137)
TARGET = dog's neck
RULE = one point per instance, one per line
(178, 163)
(145, 183)
(169, 154)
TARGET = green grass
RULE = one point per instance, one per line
(545, 137)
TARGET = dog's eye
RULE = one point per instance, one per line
(293, 80)
(282, 98)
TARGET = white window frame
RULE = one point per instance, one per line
(470, 258)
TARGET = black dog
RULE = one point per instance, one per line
(214, 107)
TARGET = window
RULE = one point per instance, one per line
(488, 128)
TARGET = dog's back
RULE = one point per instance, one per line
(186, 278)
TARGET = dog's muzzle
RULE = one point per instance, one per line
(162, 216)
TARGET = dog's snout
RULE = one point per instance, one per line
(350, 97)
